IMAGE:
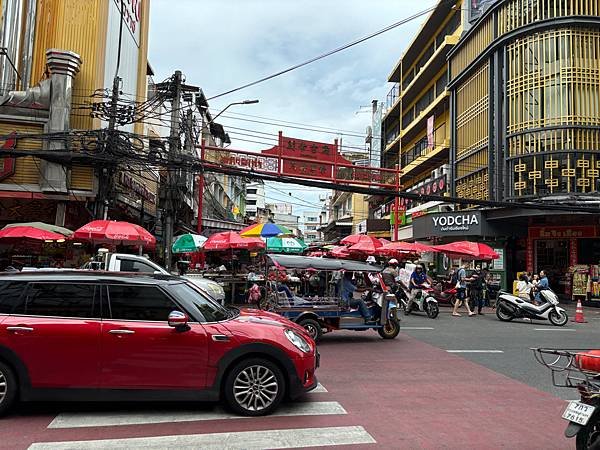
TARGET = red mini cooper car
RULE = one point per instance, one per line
(106, 336)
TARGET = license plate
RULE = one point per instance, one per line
(578, 412)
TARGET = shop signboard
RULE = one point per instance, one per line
(455, 223)
(562, 232)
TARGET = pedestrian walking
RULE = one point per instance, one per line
(476, 288)
(461, 291)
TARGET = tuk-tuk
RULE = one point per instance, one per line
(318, 306)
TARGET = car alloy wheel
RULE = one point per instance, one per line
(3, 387)
(255, 388)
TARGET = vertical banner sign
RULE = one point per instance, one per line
(430, 130)
(573, 252)
(529, 255)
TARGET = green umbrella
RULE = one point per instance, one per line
(285, 245)
(42, 226)
(188, 243)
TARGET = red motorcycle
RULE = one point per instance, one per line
(442, 292)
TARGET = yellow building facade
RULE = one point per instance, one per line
(89, 29)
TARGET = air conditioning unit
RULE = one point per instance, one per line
(435, 173)
(445, 169)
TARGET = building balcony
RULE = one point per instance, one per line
(433, 66)
(420, 156)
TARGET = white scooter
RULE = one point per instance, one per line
(509, 307)
(423, 301)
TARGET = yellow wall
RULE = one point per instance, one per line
(27, 168)
(360, 208)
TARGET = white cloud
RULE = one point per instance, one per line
(222, 44)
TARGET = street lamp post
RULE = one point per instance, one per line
(202, 155)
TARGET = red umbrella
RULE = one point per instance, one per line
(368, 246)
(230, 240)
(356, 238)
(396, 247)
(339, 252)
(27, 232)
(475, 250)
(124, 233)
(385, 241)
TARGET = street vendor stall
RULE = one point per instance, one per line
(234, 279)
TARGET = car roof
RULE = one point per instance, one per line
(90, 276)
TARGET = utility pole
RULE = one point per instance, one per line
(174, 147)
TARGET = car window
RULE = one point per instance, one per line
(130, 265)
(131, 302)
(10, 295)
(210, 310)
(62, 300)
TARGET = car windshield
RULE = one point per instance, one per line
(212, 312)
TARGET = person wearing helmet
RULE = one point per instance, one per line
(390, 273)
(371, 260)
(417, 280)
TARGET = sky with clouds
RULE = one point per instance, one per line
(223, 44)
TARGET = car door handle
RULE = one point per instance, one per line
(23, 329)
(220, 338)
(122, 332)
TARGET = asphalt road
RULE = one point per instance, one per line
(409, 392)
(508, 343)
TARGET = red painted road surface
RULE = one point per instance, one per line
(406, 395)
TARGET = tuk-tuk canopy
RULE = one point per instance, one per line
(309, 262)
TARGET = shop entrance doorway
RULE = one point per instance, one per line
(552, 256)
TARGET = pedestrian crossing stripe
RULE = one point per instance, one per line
(105, 419)
(247, 440)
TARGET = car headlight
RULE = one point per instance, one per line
(298, 341)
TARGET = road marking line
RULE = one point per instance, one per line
(475, 351)
(105, 419)
(320, 388)
(555, 329)
(417, 328)
(293, 438)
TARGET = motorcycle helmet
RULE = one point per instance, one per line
(371, 260)
(393, 261)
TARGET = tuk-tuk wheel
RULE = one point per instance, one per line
(390, 329)
(312, 327)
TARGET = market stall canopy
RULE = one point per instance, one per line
(285, 245)
(265, 230)
(188, 243)
(339, 252)
(354, 239)
(396, 247)
(116, 232)
(473, 250)
(26, 232)
(365, 244)
(42, 226)
(308, 262)
(230, 240)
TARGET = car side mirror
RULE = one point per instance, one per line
(178, 320)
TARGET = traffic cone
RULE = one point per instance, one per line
(579, 313)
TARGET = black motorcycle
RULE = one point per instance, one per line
(577, 369)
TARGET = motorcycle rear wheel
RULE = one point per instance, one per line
(500, 314)
(588, 437)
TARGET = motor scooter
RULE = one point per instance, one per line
(509, 307)
(423, 301)
(577, 369)
(442, 295)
